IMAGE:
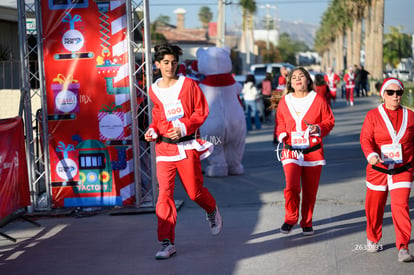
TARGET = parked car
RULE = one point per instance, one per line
(240, 78)
(404, 75)
(259, 70)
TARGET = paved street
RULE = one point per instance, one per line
(252, 206)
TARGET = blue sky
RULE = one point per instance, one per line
(397, 12)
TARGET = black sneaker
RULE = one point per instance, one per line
(307, 231)
(286, 228)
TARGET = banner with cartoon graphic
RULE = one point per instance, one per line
(88, 102)
(14, 181)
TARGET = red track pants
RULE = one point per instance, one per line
(333, 95)
(310, 182)
(374, 208)
(350, 94)
(189, 170)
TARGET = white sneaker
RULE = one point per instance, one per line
(167, 250)
(215, 222)
(372, 247)
(404, 255)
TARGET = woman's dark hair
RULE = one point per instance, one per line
(319, 80)
(164, 49)
(308, 79)
(250, 78)
(268, 76)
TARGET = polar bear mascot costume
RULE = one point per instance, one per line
(225, 125)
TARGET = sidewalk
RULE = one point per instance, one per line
(252, 206)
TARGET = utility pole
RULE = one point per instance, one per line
(268, 21)
(267, 27)
(221, 23)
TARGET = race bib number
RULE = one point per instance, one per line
(174, 110)
(299, 141)
(391, 153)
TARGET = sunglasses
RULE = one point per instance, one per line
(391, 92)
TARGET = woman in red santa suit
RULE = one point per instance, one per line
(349, 79)
(332, 79)
(387, 140)
(180, 108)
(303, 119)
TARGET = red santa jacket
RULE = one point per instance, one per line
(323, 91)
(288, 123)
(349, 80)
(195, 111)
(377, 130)
(332, 79)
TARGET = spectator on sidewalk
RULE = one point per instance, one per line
(363, 82)
(251, 97)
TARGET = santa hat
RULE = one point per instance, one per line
(182, 70)
(387, 82)
(194, 67)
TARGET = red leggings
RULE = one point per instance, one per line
(189, 170)
(374, 208)
(310, 181)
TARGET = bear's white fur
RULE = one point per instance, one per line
(225, 125)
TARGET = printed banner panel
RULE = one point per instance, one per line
(89, 114)
(14, 183)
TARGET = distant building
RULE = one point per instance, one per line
(9, 38)
(188, 39)
(9, 46)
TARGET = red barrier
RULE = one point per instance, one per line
(14, 181)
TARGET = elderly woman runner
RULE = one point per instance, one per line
(387, 140)
(303, 119)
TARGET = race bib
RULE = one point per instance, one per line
(174, 110)
(391, 153)
(299, 141)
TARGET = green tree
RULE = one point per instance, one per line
(163, 19)
(288, 48)
(268, 55)
(156, 37)
(397, 45)
(205, 15)
(248, 10)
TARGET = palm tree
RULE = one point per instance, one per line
(248, 10)
(347, 17)
(369, 56)
(378, 6)
(205, 15)
(329, 40)
(358, 9)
